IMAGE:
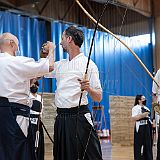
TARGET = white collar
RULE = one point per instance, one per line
(5, 54)
(77, 56)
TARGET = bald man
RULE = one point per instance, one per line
(16, 72)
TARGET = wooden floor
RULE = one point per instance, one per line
(118, 152)
(110, 152)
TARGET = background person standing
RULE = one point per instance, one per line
(142, 130)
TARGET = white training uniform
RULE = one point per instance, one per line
(67, 74)
(156, 90)
(136, 110)
(38, 98)
(16, 73)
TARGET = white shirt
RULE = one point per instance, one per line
(38, 98)
(68, 88)
(15, 75)
(155, 88)
(136, 110)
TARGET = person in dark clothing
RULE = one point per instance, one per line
(35, 119)
(142, 130)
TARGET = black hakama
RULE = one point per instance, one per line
(68, 146)
(14, 145)
(143, 142)
(36, 124)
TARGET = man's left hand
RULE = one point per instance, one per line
(85, 85)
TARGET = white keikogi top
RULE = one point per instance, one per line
(68, 88)
(38, 98)
(135, 111)
(155, 88)
(15, 75)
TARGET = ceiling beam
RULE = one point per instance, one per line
(17, 3)
(23, 2)
(9, 2)
(141, 6)
(144, 7)
(26, 2)
(156, 8)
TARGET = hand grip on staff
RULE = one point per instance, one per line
(45, 49)
(85, 84)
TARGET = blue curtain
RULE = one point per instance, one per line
(120, 73)
(31, 33)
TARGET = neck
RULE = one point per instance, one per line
(34, 94)
(7, 51)
(73, 52)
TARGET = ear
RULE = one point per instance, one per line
(11, 43)
(69, 39)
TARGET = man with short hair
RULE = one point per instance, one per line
(15, 103)
(74, 135)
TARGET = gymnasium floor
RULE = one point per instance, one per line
(118, 152)
(109, 152)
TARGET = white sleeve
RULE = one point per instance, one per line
(154, 85)
(53, 73)
(31, 69)
(135, 111)
(94, 77)
(40, 99)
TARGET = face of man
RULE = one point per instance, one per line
(64, 42)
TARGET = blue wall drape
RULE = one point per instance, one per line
(120, 73)
(31, 33)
